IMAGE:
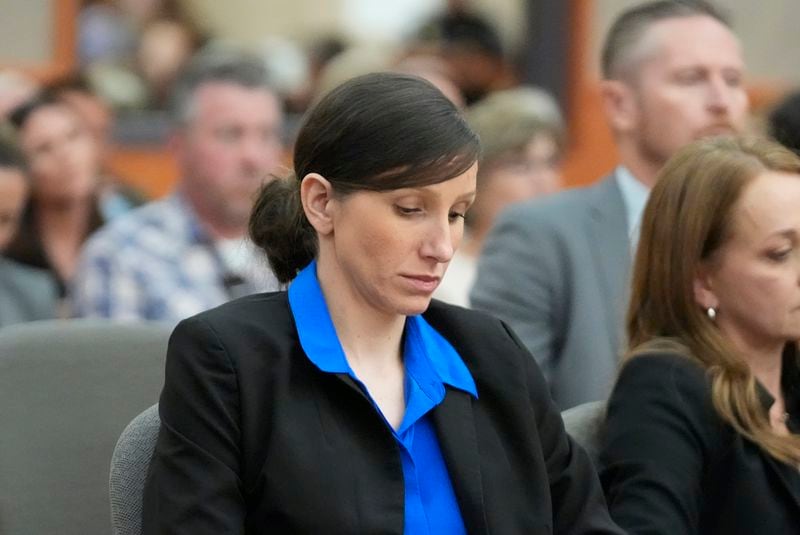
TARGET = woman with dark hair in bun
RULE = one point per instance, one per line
(351, 403)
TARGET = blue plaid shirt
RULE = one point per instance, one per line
(157, 263)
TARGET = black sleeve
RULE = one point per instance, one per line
(578, 503)
(659, 429)
(193, 485)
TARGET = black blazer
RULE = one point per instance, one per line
(670, 465)
(255, 439)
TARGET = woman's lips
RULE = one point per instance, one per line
(423, 283)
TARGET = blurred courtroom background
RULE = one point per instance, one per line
(551, 43)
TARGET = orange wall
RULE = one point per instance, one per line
(152, 171)
(591, 151)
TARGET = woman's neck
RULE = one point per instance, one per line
(369, 338)
(372, 343)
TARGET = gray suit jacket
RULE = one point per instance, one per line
(26, 293)
(556, 270)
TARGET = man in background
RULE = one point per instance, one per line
(189, 252)
(556, 269)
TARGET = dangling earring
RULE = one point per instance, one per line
(712, 313)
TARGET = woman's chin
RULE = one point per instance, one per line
(415, 306)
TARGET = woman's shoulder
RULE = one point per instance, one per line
(662, 364)
(241, 322)
(666, 378)
(665, 394)
(273, 303)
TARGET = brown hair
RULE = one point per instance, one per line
(687, 218)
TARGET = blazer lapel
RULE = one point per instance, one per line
(455, 428)
(607, 227)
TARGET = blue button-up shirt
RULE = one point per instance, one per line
(430, 363)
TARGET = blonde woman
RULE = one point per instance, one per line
(702, 425)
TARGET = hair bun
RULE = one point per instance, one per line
(278, 225)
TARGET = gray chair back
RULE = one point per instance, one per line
(129, 466)
(67, 390)
(584, 423)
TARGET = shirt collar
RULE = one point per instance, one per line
(634, 196)
(429, 358)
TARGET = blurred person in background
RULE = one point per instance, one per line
(63, 207)
(434, 70)
(165, 46)
(109, 30)
(353, 62)
(784, 122)
(104, 34)
(556, 268)
(356, 61)
(186, 253)
(472, 49)
(522, 138)
(115, 196)
(702, 434)
(132, 50)
(26, 293)
(319, 52)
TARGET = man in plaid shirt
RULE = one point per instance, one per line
(189, 252)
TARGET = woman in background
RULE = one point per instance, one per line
(347, 404)
(522, 137)
(63, 208)
(701, 435)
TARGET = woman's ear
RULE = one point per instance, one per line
(316, 194)
(703, 288)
